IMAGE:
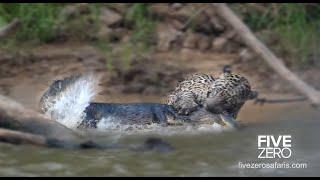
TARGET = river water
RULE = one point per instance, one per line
(197, 152)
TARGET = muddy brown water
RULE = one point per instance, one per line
(197, 152)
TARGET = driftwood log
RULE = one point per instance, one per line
(16, 117)
(274, 62)
(20, 138)
(19, 125)
(17, 137)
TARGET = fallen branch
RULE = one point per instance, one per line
(16, 117)
(19, 125)
(251, 41)
(10, 28)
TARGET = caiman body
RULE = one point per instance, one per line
(120, 113)
(140, 114)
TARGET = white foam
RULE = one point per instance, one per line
(107, 123)
(110, 126)
(69, 106)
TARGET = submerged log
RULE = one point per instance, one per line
(274, 62)
(19, 138)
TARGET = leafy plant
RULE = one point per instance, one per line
(38, 20)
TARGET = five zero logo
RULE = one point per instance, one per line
(274, 147)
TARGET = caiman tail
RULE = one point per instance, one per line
(65, 100)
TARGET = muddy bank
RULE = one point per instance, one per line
(25, 76)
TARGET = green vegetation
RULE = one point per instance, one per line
(142, 36)
(141, 39)
(143, 24)
(44, 22)
(38, 20)
(297, 25)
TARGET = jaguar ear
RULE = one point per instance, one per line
(227, 69)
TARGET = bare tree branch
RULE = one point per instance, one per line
(251, 41)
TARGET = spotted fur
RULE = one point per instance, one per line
(230, 91)
(190, 93)
(227, 93)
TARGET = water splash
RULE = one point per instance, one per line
(70, 104)
(107, 125)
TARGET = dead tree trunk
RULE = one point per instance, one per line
(251, 41)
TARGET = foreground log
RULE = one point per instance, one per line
(19, 125)
(16, 137)
(9, 29)
(251, 41)
(20, 138)
(16, 117)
